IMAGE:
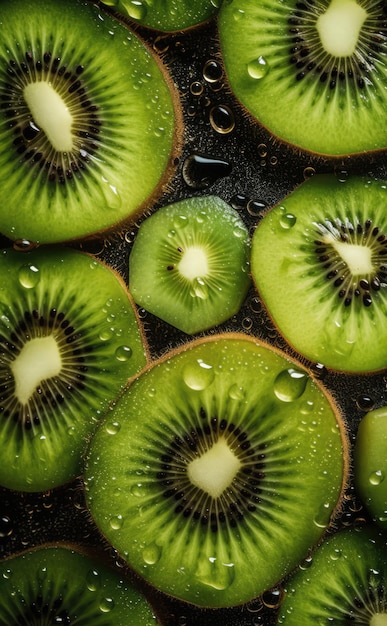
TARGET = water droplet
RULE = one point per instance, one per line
(288, 220)
(272, 599)
(341, 175)
(24, 245)
(110, 194)
(222, 119)
(309, 172)
(258, 68)
(29, 276)
(196, 88)
(247, 323)
(262, 150)
(238, 14)
(123, 353)
(93, 580)
(336, 554)
(199, 288)
(6, 526)
(213, 573)
(161, 44)
(376, 478)
(273, 160)
(137, 490)
(151, 554)
(198, 375)
(255, 207)
(290, 384)
(212, 71)
(106, 605)
(136, 9)
(365, 403)
(201, 171)
(306, 563)
(112, 428)
(7, 574)
(236, 392)
(323, 515)
(116, 522)
(106, 334)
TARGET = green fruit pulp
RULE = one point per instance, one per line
(371, 463)
(166, 15)
(331, 116)
(291, 271)
(104, 174)
(343, 584)
(69, 341)
(269, 407)
(63, 586)
(190, 263)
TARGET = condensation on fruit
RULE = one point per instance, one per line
(322, 517)
(222, 119)
(290, 384)
(376, 478)
(29, 276)
(216, 574)
(106, 605)
(151, 554)
(212, 71)
(6, 526)
(136, 9)
(112, 428)
(110, 194)
(236, 392)
(198, 375)
(123, 353)
(287, 220)
(258, 68)
(116, 522)
(273, 599)
(93, 580)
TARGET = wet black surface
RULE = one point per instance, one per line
(225, 153)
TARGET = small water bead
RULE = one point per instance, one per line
(29, 276)
(247, 323)
(106, 334)
(24, 245)
(116, 522)
(191, 110)
(199, 289)
(365, 403)
(7, 574)
(273, 160)
(212, 71)
(222, 119)
(287, 220)
(151, 554)
(93, 580)
(112, 428)
(290, 384)
(106, 605)
(136, 9)
(198, 375)
(237, 393)
(137, 490)
(6, 526)
(123, 353)
(196, 88)
(272, 599)
(258, 68)
(306, 563)
(262, 150)
(255, 305)
(341, 175)
(256, 207)
(238, 14)
(309, 172)
(323, 516)
(376, 478)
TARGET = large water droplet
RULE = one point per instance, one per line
(29, 276)
(376, 478)
(136, 9)
(290, 384)
(213, 573)
(106, 605)
(287, 220)
(123, 353)
(258, 68)
(212, 71)
(199, 289)
(222, 119)
(151, 554)
(112, 428)
(116, 522)
(93, 580)
(201, 171)
(198, 375)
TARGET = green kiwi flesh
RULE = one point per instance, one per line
(86, 120)
(313, 72)
(319, 262)
(370, 464)
(190, 263)
(60, 585)
(344, 583)
(166, 15)
(69, 341)
(226, 466)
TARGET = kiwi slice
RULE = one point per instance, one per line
(371, 463)
(166, 15)
(344, 583)
(190, 263)
(69, 341)
(313, 72)
(86, 120)
(319, 262)
(227, 466)
(61, 585)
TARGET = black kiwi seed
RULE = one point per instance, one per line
(242, 496)
(337, 271)
(30, 142)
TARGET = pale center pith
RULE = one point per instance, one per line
(339, 27)
(214, 470)
(50, 114)
(38, 360)
(194, 263)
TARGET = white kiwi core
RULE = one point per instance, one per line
(214, 470)
(358, 258)
(38, 360)
(379, 619)
(339, 27)
(194, 263)
(50, 114)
